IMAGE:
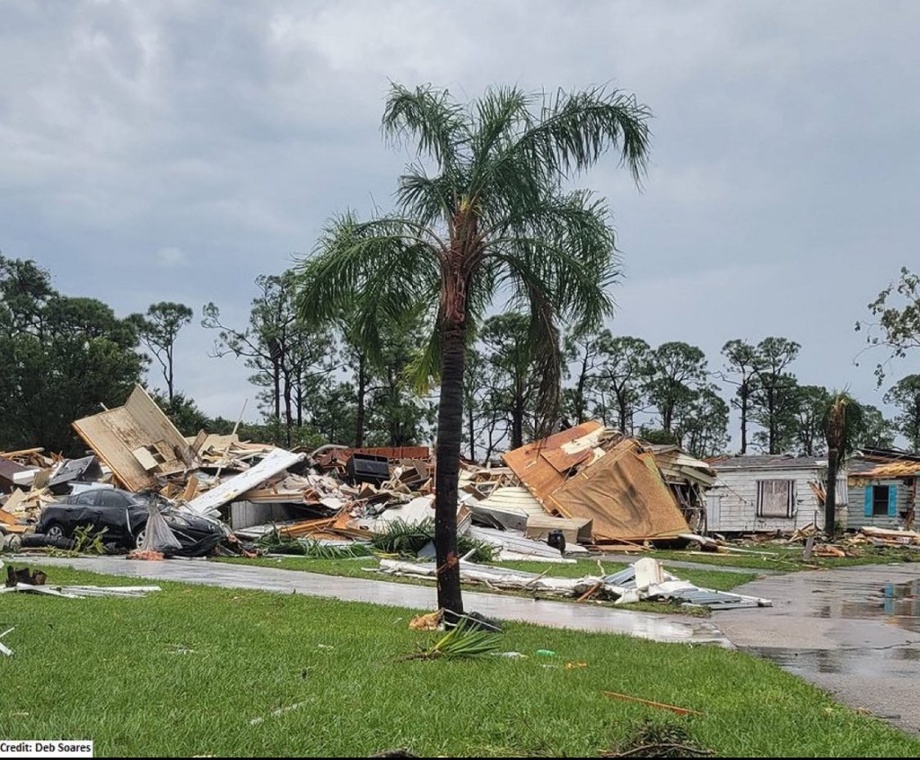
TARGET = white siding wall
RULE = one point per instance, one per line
(244, 514)
(737, 492)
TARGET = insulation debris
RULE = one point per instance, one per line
(644, 580)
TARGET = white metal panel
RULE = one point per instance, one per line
(276, 461)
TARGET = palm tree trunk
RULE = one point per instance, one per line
(744, 419)
(450, 434)
(830, 494)
(517, 416)
(359, 399)
(471, 421)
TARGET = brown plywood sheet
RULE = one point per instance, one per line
(538, 473)
(624, 495)
(562, 461)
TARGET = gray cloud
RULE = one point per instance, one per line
(176, 150)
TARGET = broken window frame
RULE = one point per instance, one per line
(771, 487)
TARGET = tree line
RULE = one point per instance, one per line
(67, 357)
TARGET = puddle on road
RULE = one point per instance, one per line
(902, 661)
(894, 603)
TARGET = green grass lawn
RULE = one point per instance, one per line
(362, 567)
(220, 672)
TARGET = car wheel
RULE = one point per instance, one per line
(55, 531)
(139, 539)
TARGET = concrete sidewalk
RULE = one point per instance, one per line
(646, 625)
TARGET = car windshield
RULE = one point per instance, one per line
(143, 499)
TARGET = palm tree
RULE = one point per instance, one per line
(488, 215)
(843, 424)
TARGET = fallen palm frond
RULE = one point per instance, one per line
(461, 642)
(408, 539)
(274, 543)
(404, 538)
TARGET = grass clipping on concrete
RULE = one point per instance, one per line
(208, 671)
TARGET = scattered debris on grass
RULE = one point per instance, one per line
(401, 752)
(460, 642)
(24, 576)
(427, 622)
(660, 739)
(35, 582)
(660, 705)
(276, 712)
(3, 648)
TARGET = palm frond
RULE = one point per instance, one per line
(843, 423)
(429, 116)
(569, 135)
(425, 367)
(429, 200)
(544, 340)
(463, 641)
(577, 288)
(376, 272)
(575, 129)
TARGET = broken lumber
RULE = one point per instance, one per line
(661, 705)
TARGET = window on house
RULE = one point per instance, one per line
(880, 501)
(775, 498)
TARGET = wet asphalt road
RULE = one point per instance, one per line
(854, 632)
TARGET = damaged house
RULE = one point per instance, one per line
(770, 492)
(590, 472)
(883, 488)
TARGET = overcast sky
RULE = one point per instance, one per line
(175, 150)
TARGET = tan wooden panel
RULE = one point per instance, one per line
(155, 426)
(529, 462)
(624, 495)
(112, 436)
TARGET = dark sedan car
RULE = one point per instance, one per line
(124, 516)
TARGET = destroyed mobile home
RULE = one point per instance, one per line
(584, 489)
